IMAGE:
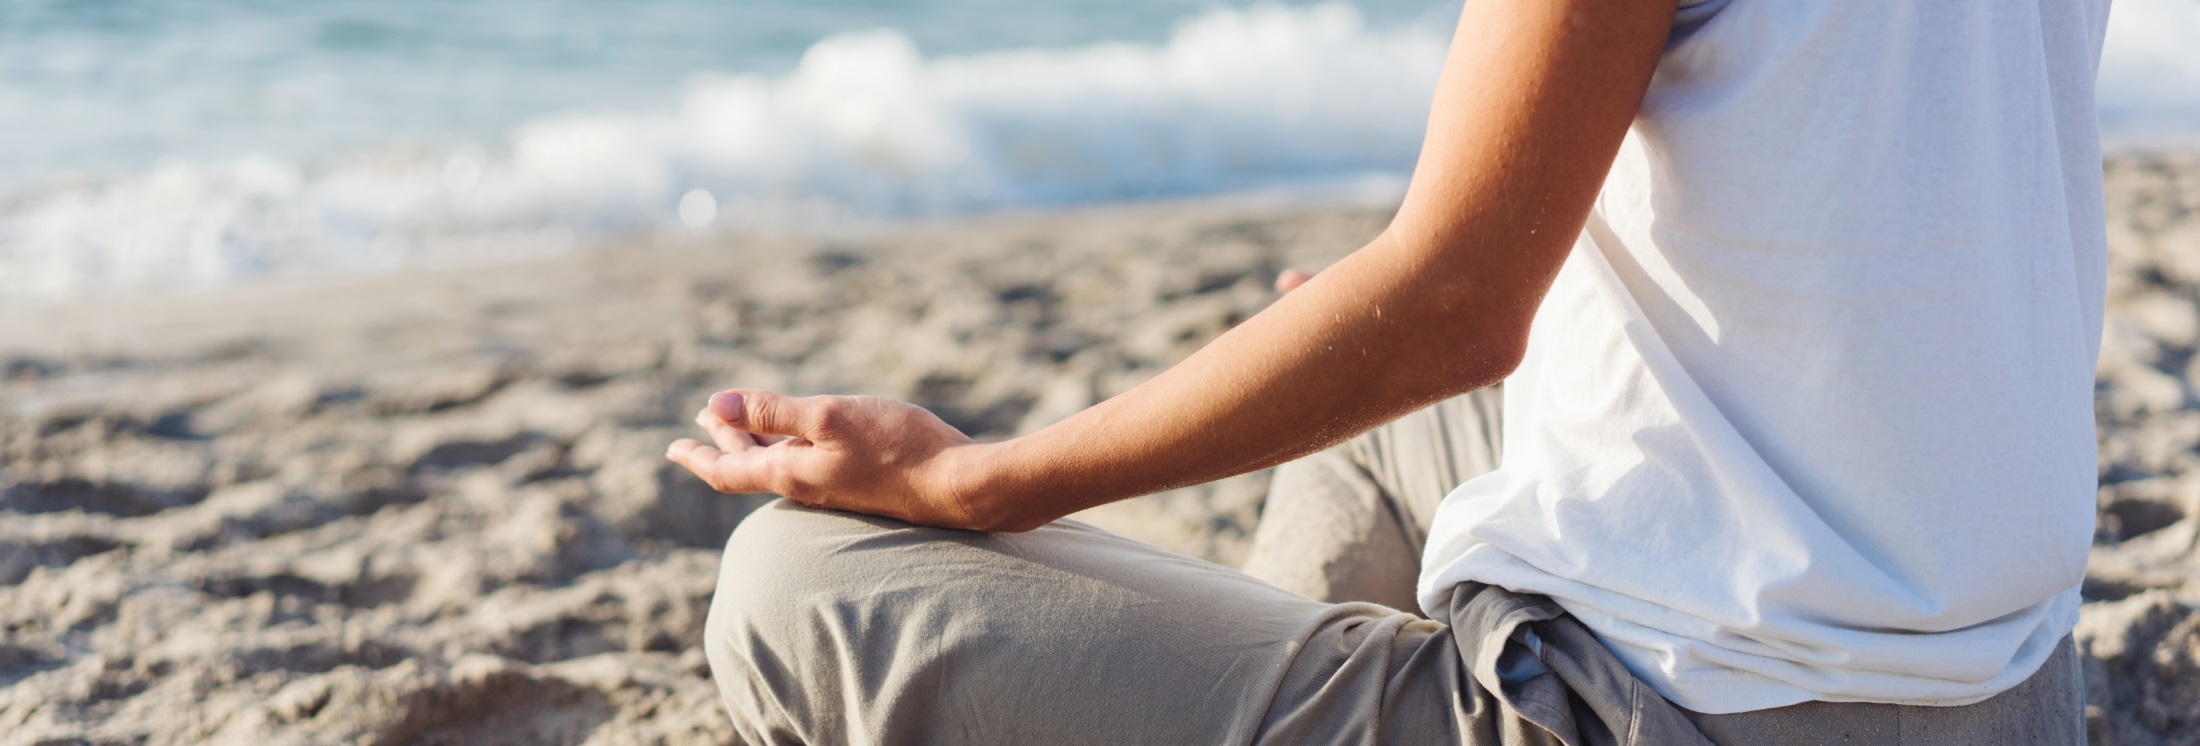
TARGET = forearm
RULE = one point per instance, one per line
(1530, 111)
(1379, 334)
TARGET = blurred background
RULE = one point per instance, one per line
(175, 144)
(340, 341)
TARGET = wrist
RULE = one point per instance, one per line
(979, 483)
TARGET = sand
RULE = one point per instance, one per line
(430, 507)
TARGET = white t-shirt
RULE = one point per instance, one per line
(1808, 413)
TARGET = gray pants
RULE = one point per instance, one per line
(834, 628)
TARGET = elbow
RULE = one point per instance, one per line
(1488, 360)
(1504, 363)
(1482, 328)
(1498, 362)
(1464, 369)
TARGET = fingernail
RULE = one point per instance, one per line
(727, 405)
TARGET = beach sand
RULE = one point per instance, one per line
(431, 507)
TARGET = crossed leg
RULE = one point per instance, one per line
(840, 628)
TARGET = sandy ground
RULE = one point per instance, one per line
(431, 508)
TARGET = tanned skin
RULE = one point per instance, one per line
(1534, 100)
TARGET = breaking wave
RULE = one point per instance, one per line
(865, 127)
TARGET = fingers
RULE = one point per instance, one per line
(699, 459)
(767, 413)
(784, 470)
(728, 438)
(748, 456)
(715, 423)
(746, 470)
(727, 405)
(764, 442)
(1290, 279)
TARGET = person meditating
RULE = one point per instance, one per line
(1796, 306)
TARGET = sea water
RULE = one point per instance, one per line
(152, 144)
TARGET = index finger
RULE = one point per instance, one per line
(750, 470)
(728, 438)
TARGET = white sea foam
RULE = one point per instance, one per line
(864, 127)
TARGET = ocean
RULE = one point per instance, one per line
(161, 145)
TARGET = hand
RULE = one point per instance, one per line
(1291, 278)
(857, 453)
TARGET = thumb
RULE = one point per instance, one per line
(764, 412)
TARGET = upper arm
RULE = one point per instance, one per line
(1533, 102)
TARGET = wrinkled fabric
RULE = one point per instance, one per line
(834, 628)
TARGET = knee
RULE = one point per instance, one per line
(768, 537)
(778, 551)
(756, 630)
(790, 601)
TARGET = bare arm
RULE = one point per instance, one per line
(1529, 112)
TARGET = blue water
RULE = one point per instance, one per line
(163, 144)
(103, 87)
